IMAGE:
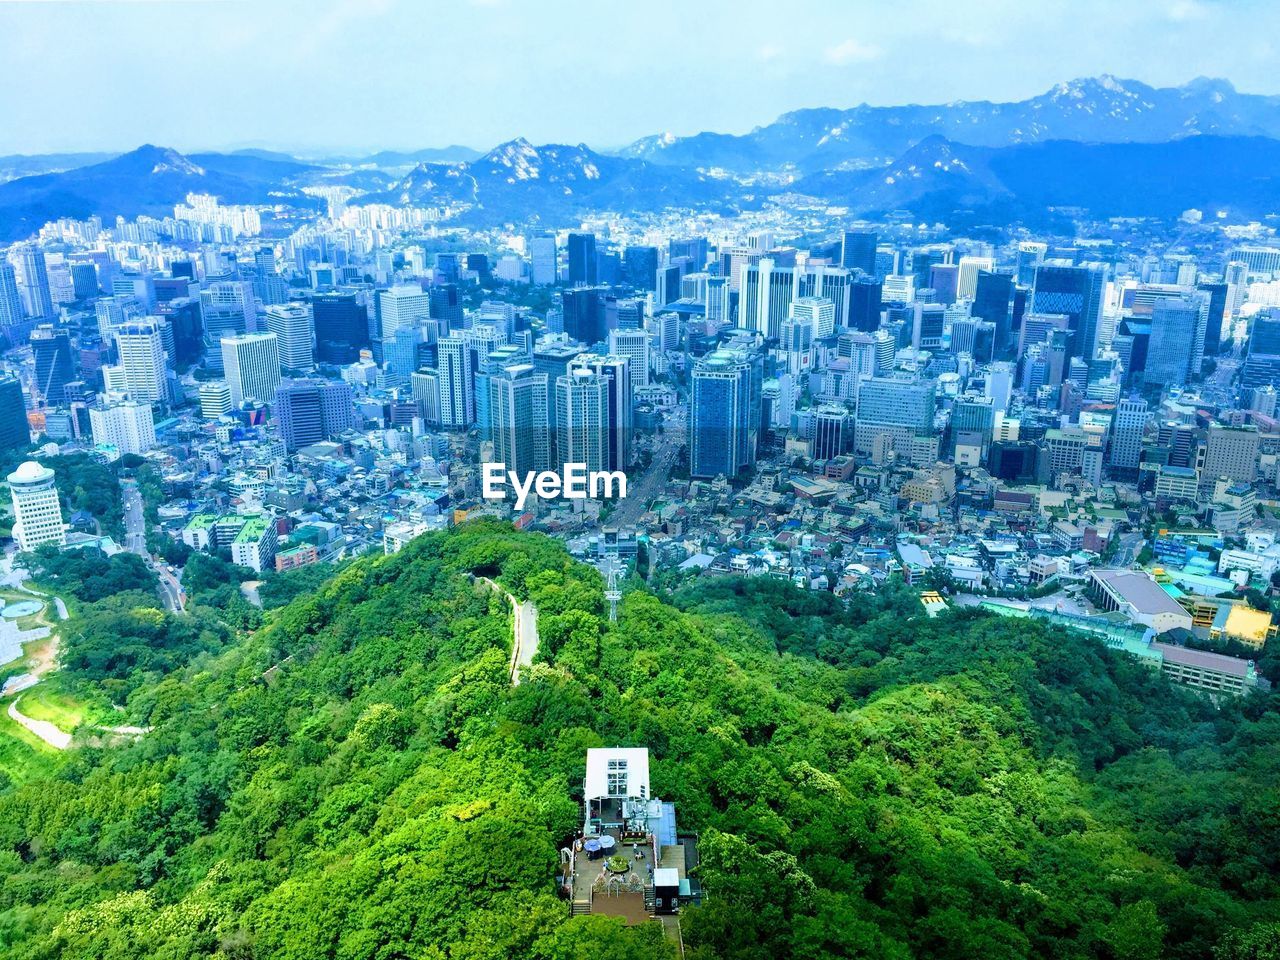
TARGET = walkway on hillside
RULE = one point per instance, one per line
(524, 630)
(43, 729)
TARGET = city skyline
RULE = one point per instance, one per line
(730, 72)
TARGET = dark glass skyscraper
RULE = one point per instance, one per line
(864, 304)
(1076, 291)
(993, 302)
(51, 350)
(1217, 310)
(342, 327)
(859, 251)
(584, 314)
(641, 267)
(15, 434)
(724, 413)
(582, 259)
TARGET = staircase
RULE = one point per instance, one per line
(579, 907)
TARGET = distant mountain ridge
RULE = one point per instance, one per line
(1102, 109)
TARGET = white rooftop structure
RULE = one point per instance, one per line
(617, 772)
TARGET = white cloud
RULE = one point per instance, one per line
(1183, 10)
(851, 51)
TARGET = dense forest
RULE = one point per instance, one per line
(351, 776)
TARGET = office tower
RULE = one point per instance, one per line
(733, 259)
(973, 417)
(1030, 255)
(641, 267)
(35, 281)
(898, 288)
(542, 260)
(227, 309)
(295, 334)
(37, 514)
(993, 302)
(1077, 292)
(446, 306)
(1231, 452)
(719, 303)
(215, 399)
(1176, 346)
(126, 425)
(944, 281)
(401, 307)
(1261, 261)
(819, 312)
(830, 283)
(694, 249)
(1217, 316)
(184, 320)
(141, 287)
(618, 424)
(425, 384)
(252, 365)
(457, 399)
(15, 432)
(929, 321)
(897, 408)
(582, 259)
(582, 417)
(584, 315)
(765, 298)
(309, 411)
(630, 314)
(795, 343)
(967, 279)
(831, 431)
(1037, 328)
(51, 350)
(11, 312)
(1262, 366)
(858, 251)
(518, 408)
(140, 350)
(84, 280)
(864, 304)
(341, 327)
(634, 345)
(1126, 437)
(724, 413)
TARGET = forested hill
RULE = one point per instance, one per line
(865, 782)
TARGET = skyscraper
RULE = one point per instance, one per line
(542, 260)
(37, 514)
(341, 327)
(142, 358)
(584, 315)
(11, 312)
(618, 421)
(401, 307)
(295, 333)
(35, 280)
(1177, 340)
(724, 413)
(993, 302)
(126, 425)
(15, 432)
(252, 365)
(765, 298)
(582, 259)
(967, 277)
(1076, 291)
(457, 400)
(518, 409)
(634, 345)
(309, 411)
(858, 251)
(864, 304)
(1126, 437)
(51, 350)
(641, 267)
(582, 413)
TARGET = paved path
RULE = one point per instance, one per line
(43, 729)
(524, 631)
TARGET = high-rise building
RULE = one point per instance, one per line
(1217, 315)
(582, 416)
(899, 408)
(252, 365)
(457, 399)
(15, 432)
(1262, 366)
(1076, 291)
(766, 292)
(215, 399)
(1126, 437)
(1231, 452)
(542, 260)
(1176, 347)
(37, 514)
(140, 349)
(641, 267)
(309, 411)
(618, 423)
(11, 312)
(35, 281)
(295, 334)
(51, 350)
(858, 251)
(401, 306)
(126, 425)
(446, 305)
(341, 327)
(724, 413)
(993, 302)
(425, 384)
(518, 411)
(967, 276)
(831, 431)
(582, 259)
(634, 345)
(584, 314)
(864, 304)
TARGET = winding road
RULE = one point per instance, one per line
(46, 731)
(524, 631)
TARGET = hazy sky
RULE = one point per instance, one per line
(373, 74)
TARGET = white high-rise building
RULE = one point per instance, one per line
(967, 278)
(542, 260)
(457, 396)
(518, 407)
(582, 417)
(215, 399)
(634, 345)
(252, 365)
(402, 307)
(295, 332)
(819, 311)
(140, 347)
(127, 425)
(37, 514)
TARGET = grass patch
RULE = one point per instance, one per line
(45, 701)
(23, 755)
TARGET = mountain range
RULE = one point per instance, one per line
(1112, 147)
(1101, 109)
